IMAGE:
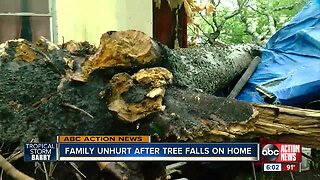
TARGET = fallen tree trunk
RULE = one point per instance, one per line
(209, 68)
(204, 118)
(205, 68)
(46, 91)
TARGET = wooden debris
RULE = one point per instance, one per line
(151, 93)
(79, 48)
(45, 45)
(17, 50)
(244, 78)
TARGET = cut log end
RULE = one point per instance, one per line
(134, 97)
(126, 49)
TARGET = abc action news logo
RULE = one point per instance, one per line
(281, 153)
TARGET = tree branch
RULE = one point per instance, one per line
(217, 27)
(210, 24)
(12, 171)
(78, 109)
(204, 33)
(236, 12)
(218, 3)
(256, 10)
(252, 30)
(286, 7)
(214, 14)
(271, 24)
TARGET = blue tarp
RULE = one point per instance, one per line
(289, 71)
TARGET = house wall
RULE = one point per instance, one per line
(85, 20)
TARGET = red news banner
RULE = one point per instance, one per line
(281, 157)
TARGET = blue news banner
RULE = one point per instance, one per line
(142, 152)
(40, 152)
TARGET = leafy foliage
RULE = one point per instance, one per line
(242, 21)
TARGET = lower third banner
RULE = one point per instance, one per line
(158, 152)
(40, 152)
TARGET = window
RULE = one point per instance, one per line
(28, 19)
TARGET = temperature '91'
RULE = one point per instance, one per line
(290, 167)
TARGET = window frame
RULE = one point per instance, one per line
(52, 18)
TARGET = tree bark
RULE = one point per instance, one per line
(133, 85)
(209, 68)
